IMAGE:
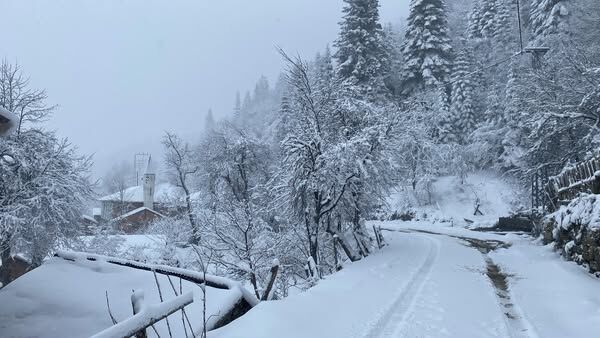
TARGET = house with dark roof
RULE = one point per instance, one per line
(136, 207)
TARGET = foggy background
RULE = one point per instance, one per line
(124, 71)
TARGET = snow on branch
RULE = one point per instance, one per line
(191, 276)
(147, 316)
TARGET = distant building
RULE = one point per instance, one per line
(134, 208)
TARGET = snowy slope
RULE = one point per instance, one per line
(453, 200)
(559, 298)
(67, 299)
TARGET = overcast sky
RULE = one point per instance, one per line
(123, 71)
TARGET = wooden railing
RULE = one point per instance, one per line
(584, 177)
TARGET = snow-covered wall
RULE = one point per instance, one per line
(575, 231)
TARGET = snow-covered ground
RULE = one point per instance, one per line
(452, 200)
(437, 285)
(68, 299)
(436, 278)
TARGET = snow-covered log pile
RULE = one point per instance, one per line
(575, 230)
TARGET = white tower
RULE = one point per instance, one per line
(148, 182)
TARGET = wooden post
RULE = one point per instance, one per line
(596, 183)
(377, 237)
(137, 300)
(336, 259)
(269, 290)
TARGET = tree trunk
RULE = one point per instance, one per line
(5, 256)
(274, 270)
(596, 183)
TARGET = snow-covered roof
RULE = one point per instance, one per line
(138, 210)
(163, 193)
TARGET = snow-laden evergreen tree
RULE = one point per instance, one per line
(237, 108)
(427, 50)
(492, 20)
(549, 17)
(475, 21)
(461, 107)
(393, 42)
(362, 57)
(209, 121)
(324, 67)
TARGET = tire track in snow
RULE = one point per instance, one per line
(393, 320)
(516, 324)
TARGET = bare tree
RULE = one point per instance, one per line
(179, 159)
(236, 166)
(117, 180)
(15, 95)
(43, 182)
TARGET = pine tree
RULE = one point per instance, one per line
(393, 43)
(548, 17)
(427, 49)
(462, 109)
(475, 18)
(361, 54)
(237, 109)
(209, 121)
(324, 67)
(491, 20)
(516, 89)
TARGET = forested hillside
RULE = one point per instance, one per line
(459, 86)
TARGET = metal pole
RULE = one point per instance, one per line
(520, 28)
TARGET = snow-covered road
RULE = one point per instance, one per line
(434, 285)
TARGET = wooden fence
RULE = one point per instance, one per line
(584, 177)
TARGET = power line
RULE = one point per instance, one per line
(483, 68)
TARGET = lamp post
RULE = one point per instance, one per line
(7, 122)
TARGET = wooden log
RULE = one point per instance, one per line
(146, 317)
(274, 269)
(137, 303)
